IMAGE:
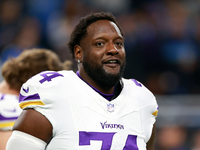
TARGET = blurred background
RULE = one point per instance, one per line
(162, 41)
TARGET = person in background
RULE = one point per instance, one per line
(16, 71)
(94, 108)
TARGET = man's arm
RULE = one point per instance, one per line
(150, 143)
(34, 126)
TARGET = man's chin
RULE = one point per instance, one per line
(113, 72)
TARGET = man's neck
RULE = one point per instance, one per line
(91, 82)
(5, 89)
(106, 96)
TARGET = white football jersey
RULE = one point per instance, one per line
(84, 120)
(9, 111)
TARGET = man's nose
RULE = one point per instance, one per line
(112, 49)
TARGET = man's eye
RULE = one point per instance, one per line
(99, 44)
(119, 43)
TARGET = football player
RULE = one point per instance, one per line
(92, 109)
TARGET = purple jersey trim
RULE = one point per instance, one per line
(2, 96)
(106, 96)
(30, 97)
(136, 82)
(2, 118)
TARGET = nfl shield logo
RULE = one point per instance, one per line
(110, 107)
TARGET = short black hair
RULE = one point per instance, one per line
(80, 29)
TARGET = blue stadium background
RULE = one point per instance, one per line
(162, 41)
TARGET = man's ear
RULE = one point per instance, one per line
(78, 53)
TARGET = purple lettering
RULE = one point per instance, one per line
(51, 76)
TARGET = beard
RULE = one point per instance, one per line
(98, 74)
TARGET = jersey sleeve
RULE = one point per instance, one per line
(146, 96)
(41, 94)
(29, 95)
(148, 106)
(149, 112)
(36, 91)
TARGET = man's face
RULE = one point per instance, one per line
(104, 54)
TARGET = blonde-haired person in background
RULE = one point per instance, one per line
(15, 72)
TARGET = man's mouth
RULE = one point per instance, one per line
(112, 62)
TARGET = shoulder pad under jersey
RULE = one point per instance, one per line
(146, 96)
(30, 93)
